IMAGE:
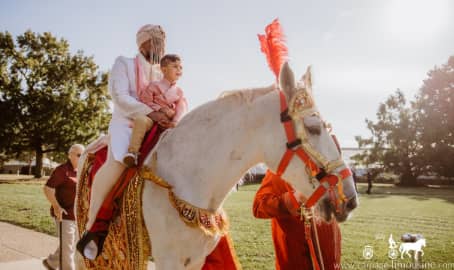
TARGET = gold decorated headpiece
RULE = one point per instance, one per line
(301, 103)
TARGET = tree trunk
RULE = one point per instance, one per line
(408, 179)
(38, 163)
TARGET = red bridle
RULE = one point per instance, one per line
(328, 180)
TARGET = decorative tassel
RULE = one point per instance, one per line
(274, 47)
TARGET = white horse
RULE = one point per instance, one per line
(416, 247)
(211, 148)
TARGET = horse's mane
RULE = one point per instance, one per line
(246, 95)
(228, 101)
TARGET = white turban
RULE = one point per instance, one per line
(150, 32)
(157, 37)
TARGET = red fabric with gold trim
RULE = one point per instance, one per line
(108, 207)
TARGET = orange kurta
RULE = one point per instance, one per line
(290, 245)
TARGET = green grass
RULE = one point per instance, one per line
(389, 210)
(24, 204)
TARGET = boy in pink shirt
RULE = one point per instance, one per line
(163, 96)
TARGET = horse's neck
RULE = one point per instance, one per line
(213, 147)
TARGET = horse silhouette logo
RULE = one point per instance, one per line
(415, 246)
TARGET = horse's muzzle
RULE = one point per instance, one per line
(352, 203)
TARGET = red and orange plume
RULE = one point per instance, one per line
(273, 46)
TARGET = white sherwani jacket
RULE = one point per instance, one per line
(122, 88)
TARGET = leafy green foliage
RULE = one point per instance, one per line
(410, 139)
(435, 117)
(49, 98)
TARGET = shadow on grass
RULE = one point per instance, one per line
(423, 193)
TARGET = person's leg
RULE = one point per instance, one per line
(104, 180)
(53, 259)
(142, 124)
(68, 235)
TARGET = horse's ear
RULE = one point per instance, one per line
(307, 79)
(287, 80)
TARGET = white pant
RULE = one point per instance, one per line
(103, 182)
(68, 247)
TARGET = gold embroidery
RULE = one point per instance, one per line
(127, 245)
(301, 102)
(211, 222)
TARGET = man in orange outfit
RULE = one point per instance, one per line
(272, 200)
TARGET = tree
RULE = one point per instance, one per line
(393, 146)
(416, 138)
(49, 98)
(435, 118)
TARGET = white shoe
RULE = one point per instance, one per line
(91, 250)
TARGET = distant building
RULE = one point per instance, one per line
(21, 167)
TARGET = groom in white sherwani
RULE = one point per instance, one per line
(123, 89)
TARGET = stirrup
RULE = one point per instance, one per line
(98, 239)
(130, 159)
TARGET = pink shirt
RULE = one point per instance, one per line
(160, 94)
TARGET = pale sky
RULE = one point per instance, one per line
(361, 51)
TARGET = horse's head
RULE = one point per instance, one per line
(314, 164)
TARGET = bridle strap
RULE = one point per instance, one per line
(331, 181)
(294, 147)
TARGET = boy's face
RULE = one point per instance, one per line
(173, 71)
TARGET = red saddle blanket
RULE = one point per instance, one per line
(223, 257)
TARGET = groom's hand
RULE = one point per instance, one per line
(157, 116)
(166, 124)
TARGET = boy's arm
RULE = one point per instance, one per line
(153, 91)
(119, 90)
(181, 107)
